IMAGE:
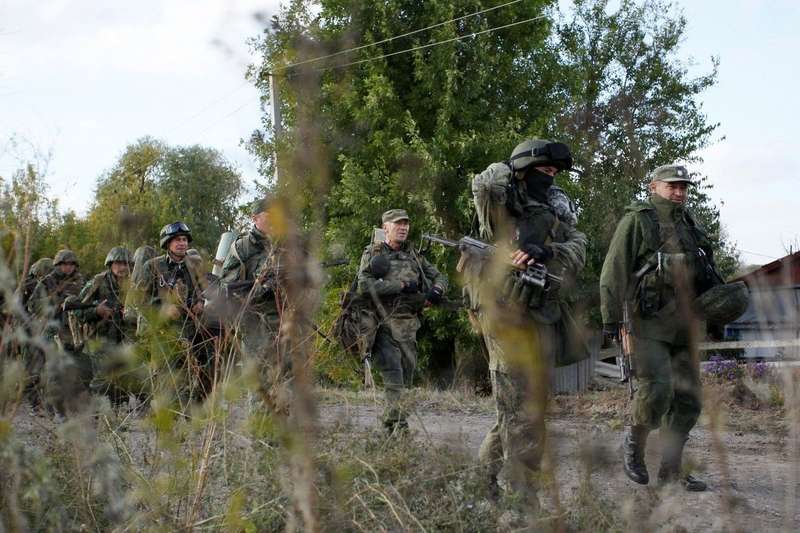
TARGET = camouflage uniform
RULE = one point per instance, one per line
(64, 371)
(38, 270)
(103, 335)
(524, 340)
(166, 284)
(659, 260)
(395, 346)
(252, 254)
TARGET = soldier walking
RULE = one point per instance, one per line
(249, 277)
(400, 283)
(659, 260)
(174, 286)
(522, 324)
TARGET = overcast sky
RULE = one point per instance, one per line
(83, 79)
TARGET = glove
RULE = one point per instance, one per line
(434, 295)
(410, 287)
(540, 253)
(611, 331)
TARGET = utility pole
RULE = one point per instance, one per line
(277, 123)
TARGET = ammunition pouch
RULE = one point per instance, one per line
(518, 289)
(648, 294)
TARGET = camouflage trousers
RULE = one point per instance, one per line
(266, 361)
(395, 355)
(522, 355)
(669, 392)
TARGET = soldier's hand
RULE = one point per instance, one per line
(611, 332)
(434, 295)
(540, 253)
(520, 258)
(198, 307)
(104, 311)
(171, 311)
(410, 287)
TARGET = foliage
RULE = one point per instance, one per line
(411, 129)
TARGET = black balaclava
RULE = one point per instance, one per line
(537, 183)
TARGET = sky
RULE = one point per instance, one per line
(81, 80)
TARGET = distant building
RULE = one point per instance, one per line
(774, 310)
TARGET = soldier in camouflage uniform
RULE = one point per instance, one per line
(407, 283)
(659, 260)
(103, 324)
(174, 286)
(63, 374)
(253, 258)
(38, 270)
(525, 328)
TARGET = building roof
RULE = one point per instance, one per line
(783, 272)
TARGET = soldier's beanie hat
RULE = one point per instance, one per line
(671, 173)
(260, 205)
(394, 215)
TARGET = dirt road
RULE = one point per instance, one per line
(759, 495)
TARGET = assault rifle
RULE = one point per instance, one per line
(625, 357)
(535, 274)
(75, 305)
(269, 277)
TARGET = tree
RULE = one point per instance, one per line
(409, 129)
(154, 184)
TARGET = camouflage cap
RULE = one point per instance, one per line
(671, 173)
(394, 215)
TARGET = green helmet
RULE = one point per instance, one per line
(41, 268)
(170, 231)
(143, 254)
(540, 152)
(723, 304)
(118, 253)
(65, 256)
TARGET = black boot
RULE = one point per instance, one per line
(633, 459)
(671, 457)
(493, 489)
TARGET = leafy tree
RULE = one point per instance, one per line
(409, 129)
(154, 184)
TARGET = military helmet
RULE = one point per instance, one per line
(723, 304)
(143, 254)
(540, 152)
(118, 253)
(65, 256)
(41, 268)
(170, 231)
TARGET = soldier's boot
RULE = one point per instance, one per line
(633, 454)
(670, 469)
(493, 488)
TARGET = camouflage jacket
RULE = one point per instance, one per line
(405, 266)
(252, 254)
(661, 242)
(48, 297)
(506, 212)
(165, 281)
(104, 287)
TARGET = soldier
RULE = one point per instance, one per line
(103, 321)
(38, 270)
(401, 283)
(63, 374)
(141, 256)
(253, 256)
(523, 325)
(658, 261)
(174, 286)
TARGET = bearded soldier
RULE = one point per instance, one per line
(523, 323)
(400, 283)
(659, 260)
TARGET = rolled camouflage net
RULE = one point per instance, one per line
(724, 303)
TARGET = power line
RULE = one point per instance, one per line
(209, 106)
(389, 39)
(437, 43)
(758, 254)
